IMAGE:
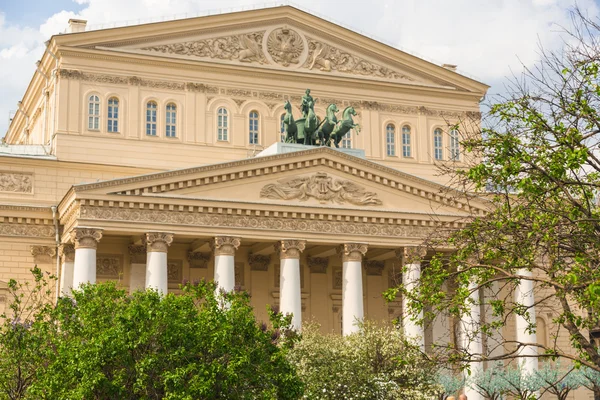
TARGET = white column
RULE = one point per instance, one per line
(471, 339)
(84, 268)
(353, 311)
(137, 265)
(224, 248)
(66, 252)
(411, 261)
(157, 244)
(524, 296)
(290, 299)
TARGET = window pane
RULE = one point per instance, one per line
(437, 145)
(253, 128)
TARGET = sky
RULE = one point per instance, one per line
(489, 40)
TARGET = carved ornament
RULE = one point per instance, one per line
(285, 46)
(198, 260)
(337, 278)
(290, 248)
(86, 238)
(158, 241)
(16, 182)
(411, 254)
(245, 48)
(43, 254)
(318, 265)
(7, 229)
(225, 245)
(259, 262)
(374, 267)
(327, 58)
(352, 251)
(109, 266)
(66, 252)
(238, 271)
(137, 254)
(321, 187)
(174, 271)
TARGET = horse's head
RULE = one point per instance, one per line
(288, 106)
(349, 111)
(332, 108)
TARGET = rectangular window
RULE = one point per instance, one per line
(170, 120)
(113, 115)
(391, 143)
(151, 121)
(347, 140)
(222, 130)
(406, 150)
(454, 145)
(438, 152)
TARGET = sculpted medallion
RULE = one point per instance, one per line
(285, 46)
(321, 187)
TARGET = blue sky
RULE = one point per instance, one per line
(487, 39)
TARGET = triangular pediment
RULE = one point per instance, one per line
(280, 38)
(316, 178)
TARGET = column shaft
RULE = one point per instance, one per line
(353, 311)
(471, 338)
(224, 248)
(524, 295)
(156, 260)
(411, 260)
(290, 299)
(66, 253)
(84, 268)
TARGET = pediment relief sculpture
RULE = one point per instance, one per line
(285, 46)
(322, 188)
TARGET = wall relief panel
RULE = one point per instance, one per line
(16, 182)
(109, 266)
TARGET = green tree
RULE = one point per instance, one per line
(105, 344)
(535, 169)
(558, 381)
(376, 363)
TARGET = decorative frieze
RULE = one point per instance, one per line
(198, 260)
(16, 182)
(290, 248)
(259, 262)
(137, 254)
(158, 241)
(352, 251)
(374, 267)
(66, 252)
(201, 88)
(321, 187)
(43, 254)
(26, 230)
(225, 245)
(175, 271)
(86, 238)
(411, 254)
(109, 266)
(318, 265)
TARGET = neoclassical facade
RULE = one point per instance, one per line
(153, 154)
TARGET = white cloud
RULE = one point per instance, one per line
(484, 38)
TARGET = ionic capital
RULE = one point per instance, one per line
(66, 252)
(352, 251)
(259, 262)
(411, 254)
(137, 253)
(197, 259)
(225, 245)
(318, 265)
(290, 248)
(158, 241)
(86, 238)
(43, 254)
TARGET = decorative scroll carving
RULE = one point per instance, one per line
(16, 182)
(225, 245)
(174, 271)
(239, 102)
(201, 87)
(318, 265)
(43, 254)
(374, 267)
(321, 187)
(285, 46)
(7, 229)
(290, 248)
(338, 278)
(352, 251)
(158, 241)
(238, 270)
(66, 252)
(198, 260)
(411, 254)
(137, 254)
(86, 238)
(270, 96)
(259, 262)
(109, 266)
(245, 48)
(239, 92)
(293, 225)
(329, 58)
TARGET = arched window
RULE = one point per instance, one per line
(406, 142)
(454, 145)
(113, 115)
(151, 108)
(347, 140)
(438, 152)
(253, 127)
(282, 128)
(390, 139)
(171, 120)
(94, 112)
(222, 124)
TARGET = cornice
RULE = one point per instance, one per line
(30, 208)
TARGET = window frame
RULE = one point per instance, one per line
(282, 135)
(112, 115)
(390, 133)
(149, 124)
(93, 112)
(453, 145)
(346, 142)
(254, 134)
(407, 141)
(171, 120)
(438, 144)
(222, 129)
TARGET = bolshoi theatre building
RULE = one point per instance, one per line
(191, 149)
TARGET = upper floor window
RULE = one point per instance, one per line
(406, 142)
(347, 140)
(113, 115)
(151, 108)
(253, 127)
(438, 152)
(390, 139)
(94, 112)
(171, 120)
(222, 124)
(454, 145)
(282, 128)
